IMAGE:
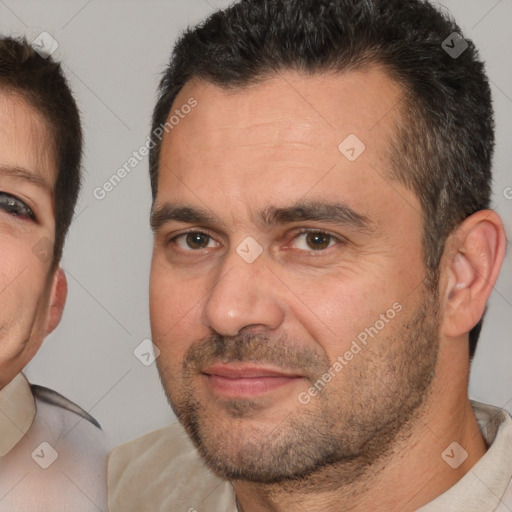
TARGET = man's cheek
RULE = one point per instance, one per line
(171, 303)
(180, 322)
(331, 315)
(172, 335)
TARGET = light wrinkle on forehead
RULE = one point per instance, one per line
(296, 108)
(276, 131)
(250, 124)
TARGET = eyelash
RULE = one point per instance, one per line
(336, 238)
(17, 209)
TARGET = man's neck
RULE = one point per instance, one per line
(420, 466)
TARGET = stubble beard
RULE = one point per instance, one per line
(345, 430)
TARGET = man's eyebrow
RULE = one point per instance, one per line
(24, 174)
(169, 212)
(335, 213)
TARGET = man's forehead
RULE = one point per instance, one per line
(281, 141)
(362, 97)
(290, 121)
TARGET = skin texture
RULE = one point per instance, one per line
(31, 297)
(220, 321)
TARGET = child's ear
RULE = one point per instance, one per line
(58, 297)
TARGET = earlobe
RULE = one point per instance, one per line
(478, 250)
(58, 298)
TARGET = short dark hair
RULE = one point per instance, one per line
(39, 81)
(443, 145)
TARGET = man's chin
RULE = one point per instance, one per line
(245, 443)
(252, 458)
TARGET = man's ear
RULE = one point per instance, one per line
(58, 297)
(475, 254)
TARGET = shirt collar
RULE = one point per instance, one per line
(17, 412)
(483, 487)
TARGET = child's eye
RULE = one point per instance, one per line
(14, 206)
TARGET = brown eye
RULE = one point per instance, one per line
(318, 240)
(197, 240)
(193, 241)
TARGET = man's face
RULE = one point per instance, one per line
(27, 225)
(287, 287)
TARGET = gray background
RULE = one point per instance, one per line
(113, 53)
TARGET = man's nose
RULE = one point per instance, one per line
(245, 294)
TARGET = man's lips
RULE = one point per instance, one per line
(247, 371)
(247, 380)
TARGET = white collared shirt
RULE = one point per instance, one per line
(52, 453)
(162, 472)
